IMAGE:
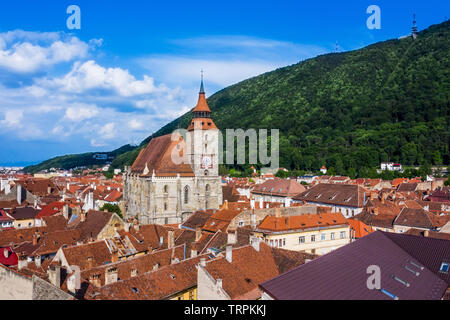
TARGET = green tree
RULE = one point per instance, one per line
(112, 208)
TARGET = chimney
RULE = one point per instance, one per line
(23, 261)
(198, 233)
(426, 233)
(136, 226)
(83, 216)
(134, 272)
(111, 275)
(372, 196)
(225, 205)
(66, 212)
(115, 256)
(229, 253)
(7, 188)
(54, 275)
(36, 237)
(171, 239)
(254, 241)
(95, 280)
(193, 253)
(203, 262)
(383, 198)
(49, 190)
(90, 262)
(156, 267)
(161, 241)
(278, 212)
(127, 227)
(37, 260)
(253, 220)
(19, 194)
(232, 237)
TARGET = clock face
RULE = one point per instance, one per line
(206, 162)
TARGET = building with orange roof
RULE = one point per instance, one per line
(358, 229)
(317, 233)
(174, 176)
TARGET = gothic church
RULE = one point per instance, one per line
(161, 189)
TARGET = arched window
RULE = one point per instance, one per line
(207, 188)
(165, 206)
(166, 189)
(186, 194)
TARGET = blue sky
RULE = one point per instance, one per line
(135, 65)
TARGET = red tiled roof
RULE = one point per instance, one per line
(50, 209)
(300, 222)
(360, 228)
(157, 156)
(8, 257)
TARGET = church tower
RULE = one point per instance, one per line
(202, 139)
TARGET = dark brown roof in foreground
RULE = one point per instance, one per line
(342, 274)
(157, 156)
(431, 234)
(430, 252)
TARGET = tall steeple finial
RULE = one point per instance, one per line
(202, 88)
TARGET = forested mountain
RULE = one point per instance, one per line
(79, 160)
(349, 111)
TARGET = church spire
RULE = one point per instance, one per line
(202, 88)
(201, 114)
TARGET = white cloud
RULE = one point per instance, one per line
(90, 75)
(25, 52)
(13, 119)
(80, 113)
(108, 131)
(135, 124)
(106, 106)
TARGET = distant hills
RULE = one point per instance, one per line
(80, 160)
(349, 111)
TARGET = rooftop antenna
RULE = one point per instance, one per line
(414, 27)
(336, 48)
